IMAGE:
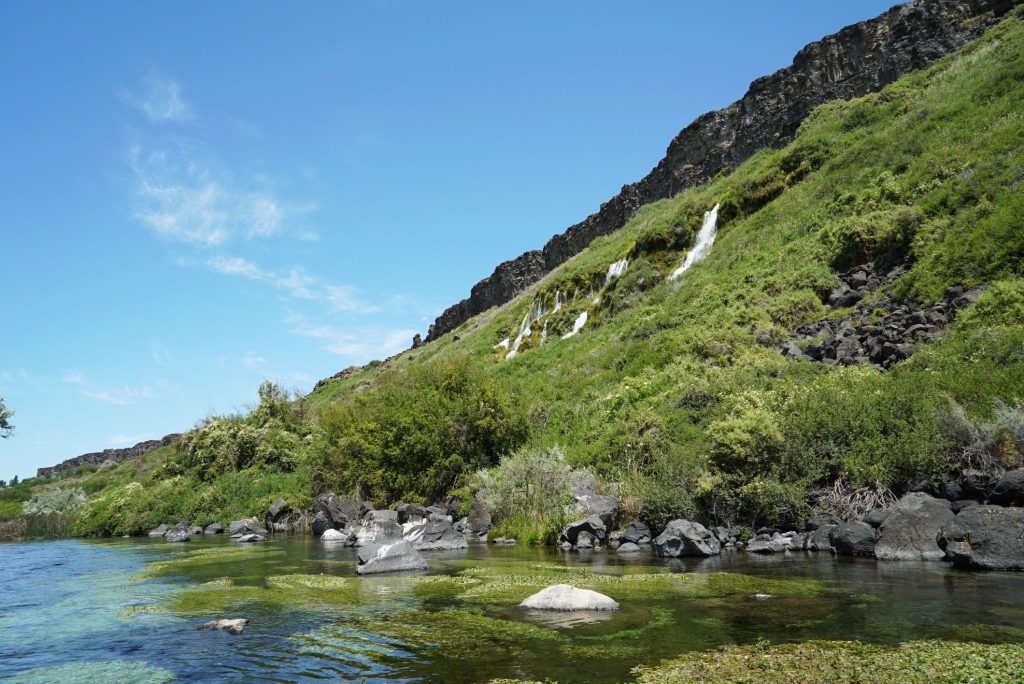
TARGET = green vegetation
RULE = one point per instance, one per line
(675, 390)
(843, 661)
(527, 492)
(5, 416)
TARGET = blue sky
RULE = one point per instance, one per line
(198, 196)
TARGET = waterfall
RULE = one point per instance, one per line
(615, 270)
(702, 245)
(537, 311)
(577, 325)
(559, 300)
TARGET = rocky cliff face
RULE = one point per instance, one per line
(859, 59)
(114, 455)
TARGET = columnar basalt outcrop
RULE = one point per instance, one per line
(859, 59)
(111, 455)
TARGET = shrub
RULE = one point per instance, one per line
(532, 484)
(54, 501)
(415, 435)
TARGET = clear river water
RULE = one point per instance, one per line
(128, 610)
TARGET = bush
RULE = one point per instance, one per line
(531, 484)
(993, 446)
(417, 434)
(54, 501)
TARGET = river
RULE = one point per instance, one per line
(128, 610)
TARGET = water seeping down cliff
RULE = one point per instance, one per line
(859, 59)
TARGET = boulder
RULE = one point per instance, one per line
(853, 539)
(229, 625)
(502, 541)
(433, 535)
(214, 528)
(178, 534)
(378, 527)
(195, 530)
(396, 556)
(1008, 489)
(479, 517)
(819, 521)
(250, 538)
(686, 538)
(820, 539)
(604, 507)
(636, 533)
(565, 597)
(627, 547)
(764, 543)
(988, 537)
(320, 524)
(158, 531)
(246, 526)
(976, 484)
(585, 540)
(592, 525)
(333, 535)
(876, 517)
(796, 542)
(910, 529)
(340, 512)
(277, 515)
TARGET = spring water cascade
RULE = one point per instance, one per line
(616, 270)
(537, 311)
(702, 245)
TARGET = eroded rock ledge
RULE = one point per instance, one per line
(859, 59)
(112, 455)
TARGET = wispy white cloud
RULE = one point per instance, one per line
(159, 352)
(129, 440)
(360, 343)
(119, 396)
(184, 198)
(160, 99)
(295, 282)
(73, 378)
(253, 360)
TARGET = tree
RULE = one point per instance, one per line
(5, 413)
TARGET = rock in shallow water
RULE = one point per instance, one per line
(686, 538)
(910, 529)
(990, 537)
(231, 625)
(565, 597)
(333, 535)
(394, 557)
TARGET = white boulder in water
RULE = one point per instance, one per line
(566, 597)
(333, 535)
(229, 625)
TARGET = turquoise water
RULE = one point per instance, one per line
(110, 611)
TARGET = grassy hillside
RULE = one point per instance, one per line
(675, 390)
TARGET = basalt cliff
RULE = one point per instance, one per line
(857, 60)
(112, 455)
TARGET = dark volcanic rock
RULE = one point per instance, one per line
(593, 526)
(112, 455)
(1009, 489)
(853, 539)
(859, 59)
(686, 538)
(910, 530)
(340, 512)
(636, 533)
(214, 528)
(990, 537)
